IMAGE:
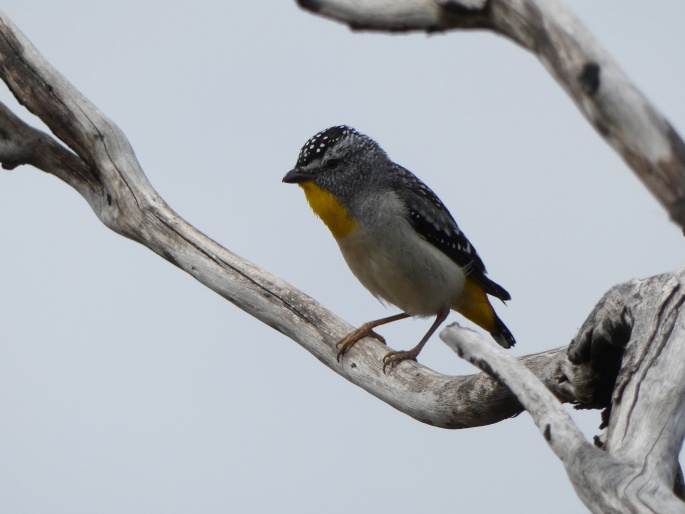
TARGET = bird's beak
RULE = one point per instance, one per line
(296, 176)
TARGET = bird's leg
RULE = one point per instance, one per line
(365, 330)
(394, 358)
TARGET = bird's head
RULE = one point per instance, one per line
(338, 160)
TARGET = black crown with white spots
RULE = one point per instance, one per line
(318, 144)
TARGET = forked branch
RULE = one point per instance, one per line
(640, 326)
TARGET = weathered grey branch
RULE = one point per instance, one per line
(22, 144)
(647, 424)
(611, 103)
(639, 467)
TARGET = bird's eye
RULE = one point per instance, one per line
(333, 164)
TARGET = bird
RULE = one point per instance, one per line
(396, 236)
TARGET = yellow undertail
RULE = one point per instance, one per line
(476, 307)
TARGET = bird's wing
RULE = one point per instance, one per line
(433, 222)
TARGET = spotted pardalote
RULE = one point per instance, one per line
(396, 236)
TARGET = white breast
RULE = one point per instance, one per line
(398, 266)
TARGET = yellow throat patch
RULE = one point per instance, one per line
(329, 209)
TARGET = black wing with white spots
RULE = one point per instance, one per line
(432, 221)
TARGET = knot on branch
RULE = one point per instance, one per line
(596, 352)
(463, 6)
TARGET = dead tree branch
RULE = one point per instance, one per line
(636, 472)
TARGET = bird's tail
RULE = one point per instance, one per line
(501, 334)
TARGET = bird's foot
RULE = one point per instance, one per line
(347, 342)
(394, 358)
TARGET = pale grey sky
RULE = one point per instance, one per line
(127, 387)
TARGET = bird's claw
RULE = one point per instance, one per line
(352, 338)
(394, 358)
